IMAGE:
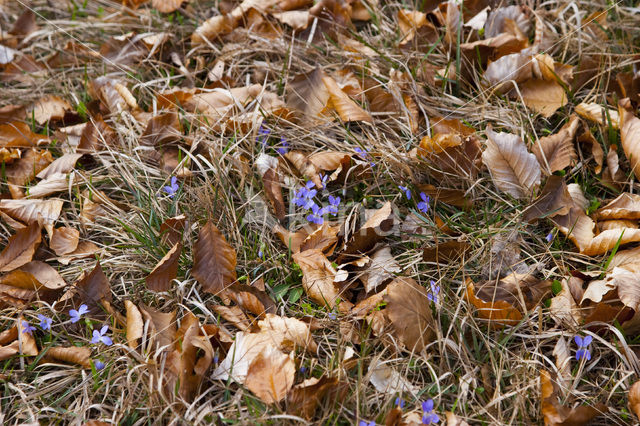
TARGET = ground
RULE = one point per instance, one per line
(192, 208)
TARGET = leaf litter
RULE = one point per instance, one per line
(269, 211)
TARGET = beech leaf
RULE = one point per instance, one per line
(214, 264)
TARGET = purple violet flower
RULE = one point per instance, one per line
(45, 322)
(549, 237)
(583, 347)
(332, 208)
(428, 416)
(423, 205)
(27, 328)
(365, 423)
(284, 146)
(406, 190)
(99, 336)
(75, 315)
(316, 215)
(433, 294)
(173, 188)
(99, 365)
(399, 402)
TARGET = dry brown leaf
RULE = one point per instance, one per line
(29, 346)
(70, 354)
(577, 226)
(453, 420)
(445, 252)
(513, 169)
(214, 260)
(625, 206)
(347, 109)
(304, 166)
(92, 288)
(84, 249)
(554, 200)
(556, 414)
(54, 183)
(165, 271)
(162, 129)
(162, 326)
(564, 308)
(20, 248)
(318, 277)
(383, 267)
(252, 298)
(630, 134)
(498, 312)
(172, 230)
(596, 150)
(555, 152)
(64, 240)
(17, 134)
(270, 375)
(167, 6)
(308, 95)
(288, 333)
(43, 212)
(22, 171)
(135, 324)
(305, 397)
(373, 230)
(296, 19)
(268, 169)
(607, 240)
(324, 239)
(453, 152)
(500, 74)
(293, 240)
(599, 114)
(634, 398)
(409, 312)
(46, 275)
(387, 380)
(48, 108)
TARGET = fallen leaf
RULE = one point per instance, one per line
(308, 95)
(235, 315)
(499, 18)
(16, 134)
(251, 298)
(578, 227)
(347, 109)
(556, 152)
(214, 264)
(317, 277)
(84, 249)
(498, 312)
(268, 169)
(51, 185)
(554, 200)
(324, 239)
(630, 134)
(556, 414)
(70, 354)
(296, 19)
(634, 398)
(383, 267)
(288, 333)
(162, 326)
(135, 324)
(270, 375)
(501, 73)
(167, 6)
(20, 248)
(513, 169)
(304, 397)
(29, 346)
(596, 150)
(601, 115)
(165, 271)
(43, 212)
(92, 288)
(564, 308)
(21, 172)
(172, 230)
(387, 380)
(445, 252)
(409, 312)
(563, 362)
(162, 129)
(49, 108)
(379, 225)
(453, 420)
(64, 240)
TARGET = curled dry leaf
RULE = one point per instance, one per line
(172, 230)
(84, 249)
(235, 315)
(251, 298)
(64, 240)
(625, 206)
(135, 324)
(17, 134)
(296, 19)
(564, 308)
(288, 333)
(308, 95)
(70, 354)
(556, 414)
(516, 67)
(214, 260)
(379, 225)
(630, 134)
(268, 169)
(556, 152)
(448, 251)
(304, 166)
(29, 346)
(92, 288)
(409, 312)
(43, 212)
(54, 183)
(513, 169)
(599, 114)
(578, 227)
(318, 277)
(165, 271)
(453, 420)
(324, 239)
(347, 109)
(162, 326)
(20, 248)
(162, 129)
(596, 150)
(22, 171)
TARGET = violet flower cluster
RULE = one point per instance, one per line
(305, 198)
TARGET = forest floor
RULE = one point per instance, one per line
(331, 212)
